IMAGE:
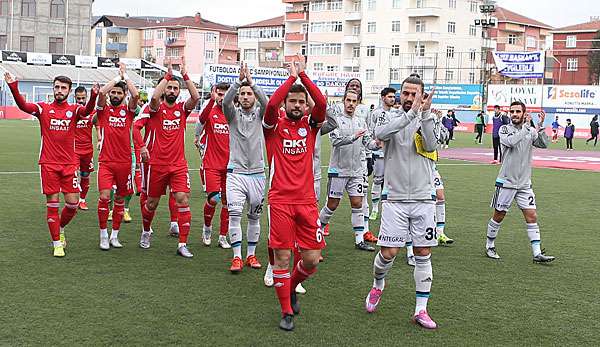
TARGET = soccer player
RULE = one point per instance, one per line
(409, 211)
(168, 166)
(514, 179)
(293, 210)
(245, 170)
(58, 161)
(114, 121)
(498, 120)
(84, 149)
(440, 196)
(388, 98)
(214, 163)
(346, 168)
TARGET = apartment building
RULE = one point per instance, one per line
(261, 43)
(191, 39)
(571, 47)
(386, 40)
(119, 37)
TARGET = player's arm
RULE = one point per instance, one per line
(138, 141)
(91, 104)
(338, 140)
(272, 110)
(386, 128)
(330, 122)
(430, 140)
(320, 108)
(192, 102)
(134, 94)
(22, 104)
(228, 105)
(261, 97)
(109, 85)
(509, 139)
(540, 138)
(159, 91)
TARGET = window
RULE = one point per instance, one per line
(369, 74)
(173, 52)
(420, 3)
(355, 51)
(450, 52)
(472, 54)
(356, 6)
(370, 51)
(420, 50)
(56, 45)
(318, 66)
(572, 64)
(4, 7)
(371, 27)
(173, 34)
(452, 3)
(3, 41)
(326, 5)
(396, 26)
(420, 71)
(325, 27)
(147, 53)
(325, 49)
(303, 50)
(471, 77)
(271, 55)
(304, 28)
(356, 29)
(210, 37)
(571, 41)
(420, 26)
(371, 5)
(394, 74)
(27, 44)
(148, 34)
(160, 52)
(396, 3)
(452, 27)
(160, 34)
(28, 8)
(395, 50)
(250, 54)
(531, 42)
(512, 39)
(332, 68)
(472, 30)
(209, 55)
(473, 6)
(57, 9)
(449, 75)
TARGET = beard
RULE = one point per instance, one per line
(115, 101)
(294, 114)
(407, 106)
(171, 99)
(59, 98)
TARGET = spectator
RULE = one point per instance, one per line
(498, 120)
(450, 122)
(479, 126)
(593, 130)
(555, 127)
(569, 133)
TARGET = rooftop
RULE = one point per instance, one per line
(505, 15)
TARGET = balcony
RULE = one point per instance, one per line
(353, 15)
(351, 39)
(174, 60)
(422, 37)
(116, 47)
(296, 37)
(489, 44)
(424, 8)
(175, 41)
(351, 61)
(117, 31)
(296, 16)
(412, 60)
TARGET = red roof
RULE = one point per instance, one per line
(272, 22)
(588, 26)
(505, 15)
(194, 22)
(126, 22)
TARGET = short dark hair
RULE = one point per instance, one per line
(519, 103)
(414, 79)
(80, 89)
(387, 90)
(361, 88)
(222, 86)
(245, 84)
(497, 106)
(174, 79)
(122, 85)
(351, 91)
(63, 79)
(297, 88)
(569, 120)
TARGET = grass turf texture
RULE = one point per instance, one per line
(148, 297)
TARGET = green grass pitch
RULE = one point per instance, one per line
(150, 297)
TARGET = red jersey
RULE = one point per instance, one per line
(215, 138)
(83, 135)
(115, 131)
(290, 147)
(167, 134)
(57, 125)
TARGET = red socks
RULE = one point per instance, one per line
(53, 219)
(103, 211)
(137, 178)
(68, 212)
(184, 220)
(300, 274)
(224, 221)
(85, 186)
(118, 211)
(283, 289)
(172, 207)
(209, 213)
(143, 198)
(147, 217)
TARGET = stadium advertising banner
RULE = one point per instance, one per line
(503, 94)
(86, 61)
(572, 99)
(520, 64)
(39, 59)
(464, 97)
(332, 83)
(14, 57)
(63, 59)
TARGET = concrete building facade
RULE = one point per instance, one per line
(261, 43)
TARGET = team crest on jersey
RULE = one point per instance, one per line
(69, 114)
(123, 113)
(302, 132)
(215, 116)
(177, 113)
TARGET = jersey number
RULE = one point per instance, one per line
(531, 201)
(430, 234)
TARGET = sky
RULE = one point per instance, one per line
(556, 13)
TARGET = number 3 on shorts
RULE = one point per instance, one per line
(430, 234)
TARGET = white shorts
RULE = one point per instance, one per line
(318, 189)
(353, 185)
(403, 221)
(503, 198)
(242, 189)
(438, 183)
(378, 170)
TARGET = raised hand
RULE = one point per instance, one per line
(96, 88)
(428, 100)
(122, 70)
(9, 78)
(213, 93)
(169, 67)
(248, 74)
(542, 117)
(417, 102)
(182, 68)
(292, 68)
(242, 72)
(300, 63)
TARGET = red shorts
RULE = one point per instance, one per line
(118, 174)
(161, 176)
(86, 162)
(295, 224)
(58, 178)
(214, 180)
